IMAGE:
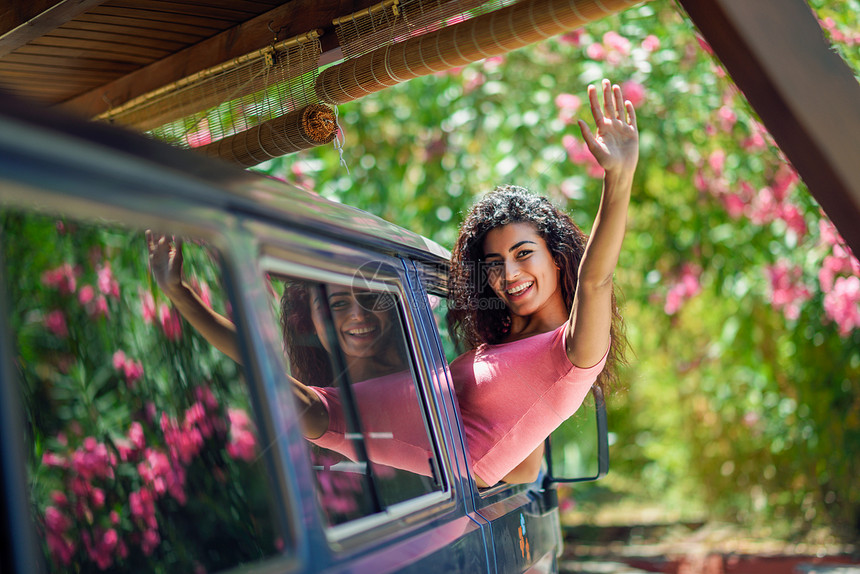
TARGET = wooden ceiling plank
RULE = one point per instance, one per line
(158, 16)
(805, 94)
(68, 54)
(231, 14)
(250, 6)
(156, 34)
(31, 25)
(193, 32)
(292, 18)
(121, 39)
(59, 45)
(81, 64)
(32, 74)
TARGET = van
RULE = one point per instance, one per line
(130, 443)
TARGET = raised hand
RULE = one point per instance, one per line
(165, 261)
(616, 145)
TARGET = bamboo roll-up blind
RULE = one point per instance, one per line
(310, 126)
(489, 35)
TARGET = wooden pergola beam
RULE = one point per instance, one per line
(21, 22)
(290, 19)
(805, 94)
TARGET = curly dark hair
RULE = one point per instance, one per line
(476, 315)
(309, 361)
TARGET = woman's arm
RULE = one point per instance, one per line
(165, 260)
(616, 148)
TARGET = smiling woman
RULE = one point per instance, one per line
(533, 299)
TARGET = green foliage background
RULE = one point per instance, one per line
(733, 407)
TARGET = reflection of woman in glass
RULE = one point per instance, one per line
(362, 323)
(320, 322)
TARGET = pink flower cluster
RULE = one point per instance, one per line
(87, 466)
(686, 286)
(63, 278)
(839, 278)
(87, 515)
(578, 153)
(788, 292)
(243, 442)
(768, 204)
(170, 322)
(837, 35)
(613, 49)
(131, 369)
(568, 105)
(201, 421)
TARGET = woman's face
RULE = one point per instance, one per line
(521, 270)
(361, 321)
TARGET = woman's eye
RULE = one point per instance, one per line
(338, 304)
(524, 253)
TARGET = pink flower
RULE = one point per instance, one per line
(59, 498)
(578, 153)
(829, 234)
(97, 497)
(136, 436)
(573, 38)
(62, 278)
(133, 371)
(634, 91)
(794, 219)
(61, 548)
(99, 307)
(567, 104)
(86, 294)
(106, 282)
(56, 521)
(171, 324)
(717, 160)
(728, 118)
(596, 51)
(52, 459)
(118, 360)
(686, 286)
(202, 289)
(842, 304)
(784, 179)
(617, 42)
(704, 45)
(651, 43)
(200, 136)
(243, 443)
(147, 306)
(788, 292)
(55, 321)
(734, 204)
(764, 207)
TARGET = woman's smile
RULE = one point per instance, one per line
(521, 270)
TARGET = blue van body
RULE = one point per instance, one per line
(57, 165)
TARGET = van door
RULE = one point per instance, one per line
(383, 489)
(522, 522)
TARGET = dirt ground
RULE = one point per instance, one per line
(700, 548)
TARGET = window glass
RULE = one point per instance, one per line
(143, 453)
(352, 377)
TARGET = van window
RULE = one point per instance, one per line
(143, 452)
(348, 345)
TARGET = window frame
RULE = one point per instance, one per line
(288, 253)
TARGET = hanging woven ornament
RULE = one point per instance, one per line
(307, 127)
